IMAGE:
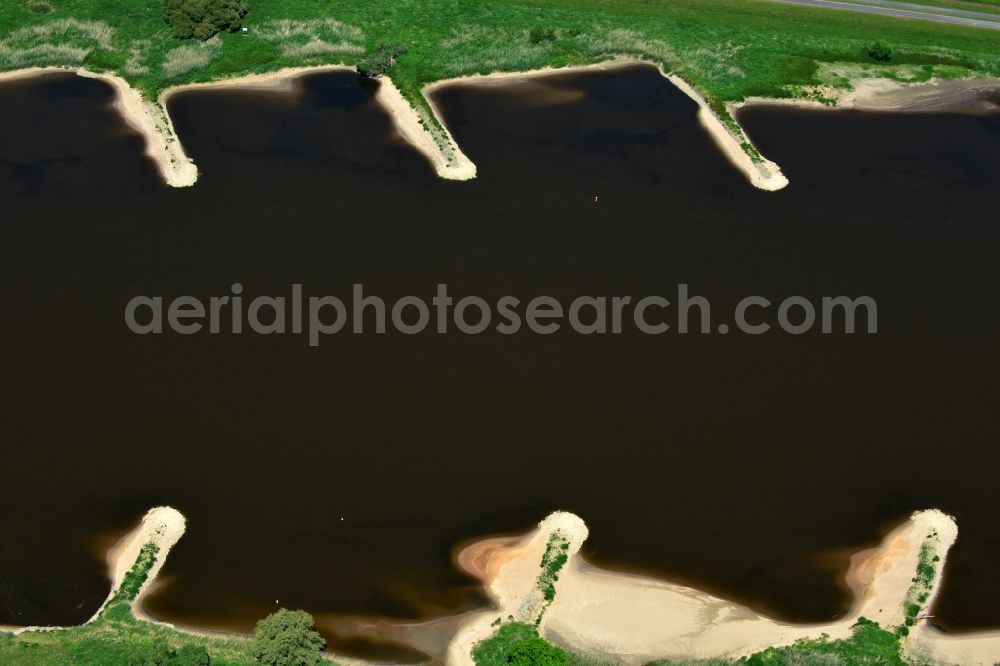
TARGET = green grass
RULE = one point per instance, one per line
(494, 650)
(729, 49)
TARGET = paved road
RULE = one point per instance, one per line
(909, 10)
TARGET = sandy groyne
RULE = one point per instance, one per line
(634, 620)
(162, 526)
(428, 134)
(148, 118)
(165, 149)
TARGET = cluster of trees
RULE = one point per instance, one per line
(203, 19)
(385, 57)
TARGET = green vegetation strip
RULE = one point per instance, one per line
(728, 49)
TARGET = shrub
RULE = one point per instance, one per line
(39, 6)
(880, 52)
(538, 34)
(375, 65)
(536, 651)
(203, 18)
(287, 638)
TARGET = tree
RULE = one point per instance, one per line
(203, 18)
(287, 638)
(536, 651)
(375, 65)
(880, 52)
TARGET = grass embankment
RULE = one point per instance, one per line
(729, 49)
(117, 638)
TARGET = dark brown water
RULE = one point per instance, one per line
(750, 466)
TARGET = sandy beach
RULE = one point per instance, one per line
(164, 147)
(634, 620)
(880, 94)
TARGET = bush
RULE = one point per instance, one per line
(518, 643)
(880, 52)
(536, 651)
(375, 65)
(203, 19)
(161, 654)
(538, 34)
(287, 638)
(39, 6)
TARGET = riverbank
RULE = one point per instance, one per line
(430, 136)
(634, 620)
(890, 96)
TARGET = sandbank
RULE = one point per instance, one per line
(634, 619)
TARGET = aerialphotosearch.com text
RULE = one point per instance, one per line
(318, 317)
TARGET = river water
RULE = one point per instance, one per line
(341, 478)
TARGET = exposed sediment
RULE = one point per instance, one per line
(634, 620)
(427, 133)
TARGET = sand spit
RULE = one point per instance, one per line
(148, 118)
(765, 174)
(509, 570)
(449, 161)
(163, 526)
(178, 170)
(633, 620)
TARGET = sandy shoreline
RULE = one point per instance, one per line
(634, 620)
(164, 147)
(880, 94)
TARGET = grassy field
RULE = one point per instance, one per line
(729, 49)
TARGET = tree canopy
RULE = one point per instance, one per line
(287, 638)
(536, 651)
(374, 65)
(202, 19)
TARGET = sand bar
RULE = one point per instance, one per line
(634, 620)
